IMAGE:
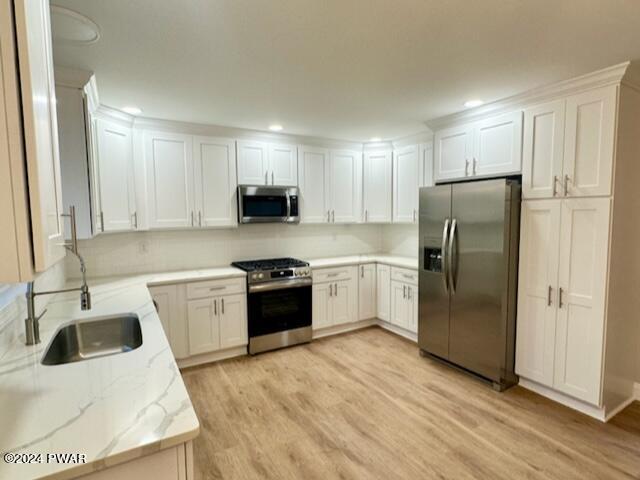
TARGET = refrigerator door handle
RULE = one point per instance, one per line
(443, 253)
(452, 234)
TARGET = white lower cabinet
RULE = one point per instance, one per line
(216, 323)
(335, 296)
(367, 291)
(383, 292)
(561, 298)
(404, 305)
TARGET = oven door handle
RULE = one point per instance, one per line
(280, 285)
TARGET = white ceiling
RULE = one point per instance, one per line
(345, 69)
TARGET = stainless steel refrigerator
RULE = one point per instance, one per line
(468, 276)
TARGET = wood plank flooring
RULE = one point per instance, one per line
(365, 405)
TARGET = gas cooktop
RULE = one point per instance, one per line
(269, 264)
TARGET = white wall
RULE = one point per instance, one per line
(13, 305)
(400, 239)
(142, 252)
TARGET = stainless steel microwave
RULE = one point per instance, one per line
(268, 204)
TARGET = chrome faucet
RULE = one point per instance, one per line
(32, 322)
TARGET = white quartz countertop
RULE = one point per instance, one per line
(392, 260)
(112, 409)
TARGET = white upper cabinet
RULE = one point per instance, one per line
(168, 159)
(582, 281)
(406, 182)
(453, 150)
(498, 145)
(253, 163)
(215, 181)
(589, 142)
(426, 165)
(313, 166)
(489, 147)
(377, 182)
(543, 150)
(537, 290)
(114, 165)
(262, 163)
(33, 32)
(569, 146)
(345, 177)
(283, 161)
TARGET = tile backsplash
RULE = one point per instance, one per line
(143, 252)
(400, 239)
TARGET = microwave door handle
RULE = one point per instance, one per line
(288, 206)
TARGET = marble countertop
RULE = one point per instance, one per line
(393, 260)
(112, 409)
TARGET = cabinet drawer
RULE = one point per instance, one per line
(334, 274)
(210, 288)
(404, 275)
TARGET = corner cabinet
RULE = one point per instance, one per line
(487, 148)
(262, 163)
(115, 180)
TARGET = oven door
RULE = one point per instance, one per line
(277, 310)
(267, 204)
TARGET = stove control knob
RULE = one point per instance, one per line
(261, 275)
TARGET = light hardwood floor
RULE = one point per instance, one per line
(365, 405)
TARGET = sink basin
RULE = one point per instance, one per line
(93, 338)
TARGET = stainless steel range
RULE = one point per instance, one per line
(278, 302)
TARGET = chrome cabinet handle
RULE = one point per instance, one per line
(335, 289)
(330, 285)
(328, 216)
(555, 189)
(452, 234)
(560, 304)
(443, 256)
(366, 215)
(215, 307)
(409, 292)
(404, 291)
(549, 296)
(466, 167)
(192, 221)
(566, 185)
(222, 302)
(333, 216)
(414, 215)
(473, 168)
(266, 177)
(361, 271)
(213, 289)
(134, 221)
(272, 183)
(199, 218)
(102, 221)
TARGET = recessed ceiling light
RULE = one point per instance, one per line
(275, 128)
(131, 110)
(473, 103)
(71, 27)
(375, 139)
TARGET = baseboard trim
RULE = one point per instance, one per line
(594, 412)
(347, 327)
(397, 330)
(211, 357)
(619, 408)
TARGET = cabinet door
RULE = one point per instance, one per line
(406, 174)
(33, 32)
(412, 308)
(170, 179)
(314, 172)
(426, 164)
(233, 321)
(321, 314)
(383, 292)
(453, 150)
(165, 299)
(345, 182)
(253, 163)
(589, 142)
(115, 177)
(367, 291)
(537, 289)
(377, 182)
(584, 235)
(498, 145)
(215, 181)
(399, 307)
(543, 150)
(344, 302)
(283, 163)
(204, 325)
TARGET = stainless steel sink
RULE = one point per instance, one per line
(94, 337)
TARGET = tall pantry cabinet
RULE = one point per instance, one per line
(578, 330)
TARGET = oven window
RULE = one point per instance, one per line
(264, 206)
(278, 310)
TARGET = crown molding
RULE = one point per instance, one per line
(71, 77)
(105, 112)
(416, 138)
(606, 76)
